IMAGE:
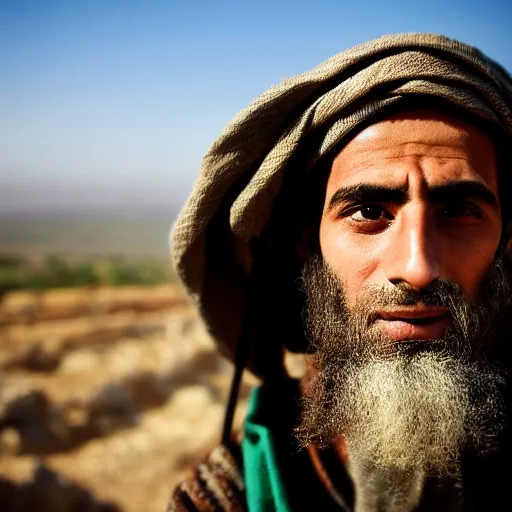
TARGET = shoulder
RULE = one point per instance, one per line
(216, 484)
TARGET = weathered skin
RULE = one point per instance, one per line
(415, 240)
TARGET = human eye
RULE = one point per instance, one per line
(461, 209)
(367, 218)
(369, 213)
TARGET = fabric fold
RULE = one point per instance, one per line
(308, 116)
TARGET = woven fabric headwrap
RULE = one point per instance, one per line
(243, 172)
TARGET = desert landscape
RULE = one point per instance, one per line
(107, 396)
(110, 387)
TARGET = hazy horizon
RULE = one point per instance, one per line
(109, 106)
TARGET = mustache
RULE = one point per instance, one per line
(439, 293)
(446, 294)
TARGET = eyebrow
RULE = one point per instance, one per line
(369, 193)
(460, 190)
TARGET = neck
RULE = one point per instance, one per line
(378, 489)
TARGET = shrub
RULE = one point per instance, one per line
(56, 271)
(11, 261)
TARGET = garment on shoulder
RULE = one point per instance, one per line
(266, 473)
(214, 485)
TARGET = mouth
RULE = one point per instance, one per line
(416, 323)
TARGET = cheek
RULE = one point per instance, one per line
(353, 261)
(470, 269)
(468, 255)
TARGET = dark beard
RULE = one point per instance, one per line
(399, 406)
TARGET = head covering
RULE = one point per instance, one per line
(279, 138)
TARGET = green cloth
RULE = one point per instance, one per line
(264, 483)
(278, 474)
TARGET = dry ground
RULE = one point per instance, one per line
(106, 398)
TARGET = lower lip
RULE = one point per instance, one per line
(399, 330)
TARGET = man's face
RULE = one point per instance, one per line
(411, 200)
(407, 304)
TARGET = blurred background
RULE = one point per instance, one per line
(109, 386)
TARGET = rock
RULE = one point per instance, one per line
(49, 492)
(117, 403)
(10, 442)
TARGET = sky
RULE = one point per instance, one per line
(109, 105)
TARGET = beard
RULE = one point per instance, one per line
(406, 407)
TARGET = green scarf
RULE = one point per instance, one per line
(265, 489)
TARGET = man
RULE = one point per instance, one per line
(359, 213)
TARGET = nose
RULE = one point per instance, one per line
(413, 256)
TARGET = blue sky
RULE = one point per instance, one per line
(110, 104)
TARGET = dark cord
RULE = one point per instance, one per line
(243, 347)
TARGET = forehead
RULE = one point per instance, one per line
(440, 147)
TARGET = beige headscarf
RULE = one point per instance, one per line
(242, 172)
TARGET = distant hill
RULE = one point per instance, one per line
(91, 235)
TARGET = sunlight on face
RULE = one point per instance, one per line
(412, 199)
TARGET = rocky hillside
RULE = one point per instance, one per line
(106, 398)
